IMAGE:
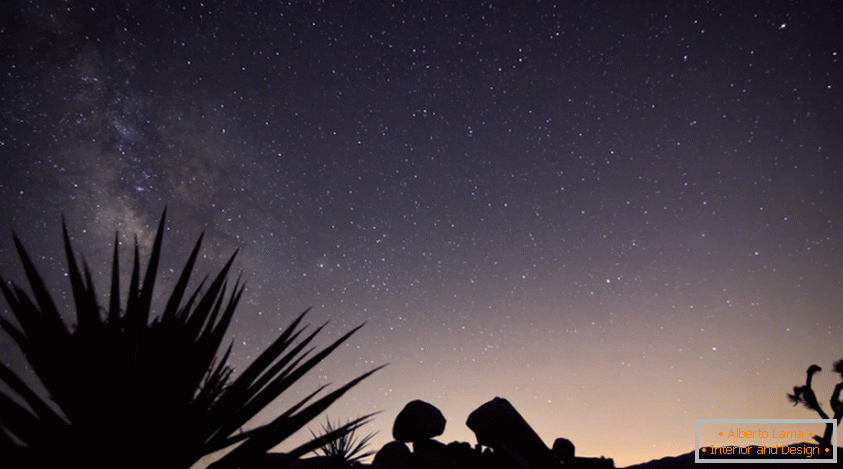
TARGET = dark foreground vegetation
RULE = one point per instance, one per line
(129, 388)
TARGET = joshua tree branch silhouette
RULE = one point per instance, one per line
(805, 395)
(132, 389)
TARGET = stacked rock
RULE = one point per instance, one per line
(563, 449)
(498, 425)
(511, 443)
(417, 423)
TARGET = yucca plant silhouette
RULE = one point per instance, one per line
(126, 389)
(347, 449)
(805, 395)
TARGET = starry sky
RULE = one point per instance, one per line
(621, 216)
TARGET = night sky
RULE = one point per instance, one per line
(621, 216)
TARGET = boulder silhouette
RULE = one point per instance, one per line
(430, 454)
(461, 454)
(393, 455)
(563, 449)
(498, 425)
(418, 421)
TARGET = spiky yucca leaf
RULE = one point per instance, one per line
(132, 389)
(347, 447)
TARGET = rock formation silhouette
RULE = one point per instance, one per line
(509, 441)
(498, 425)
(418, 421)
(393, 455)
(563, 449)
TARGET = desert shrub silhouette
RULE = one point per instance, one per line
(347, 449)
(805, 395)
(124, 391)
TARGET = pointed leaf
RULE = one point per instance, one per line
(278, 386)
(282, 427)
(86, 306)
(39, 291)
(41, 409)
(20, 422)
(145, 299)
(204, 308)
(114, 304)
(181, 285)
(332, 434)
(134, 291)
(269, 355)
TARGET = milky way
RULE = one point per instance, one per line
(621, 218)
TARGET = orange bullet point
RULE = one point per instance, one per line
(810, 433)
(826, 450)
(721, 433)
(703, 450)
